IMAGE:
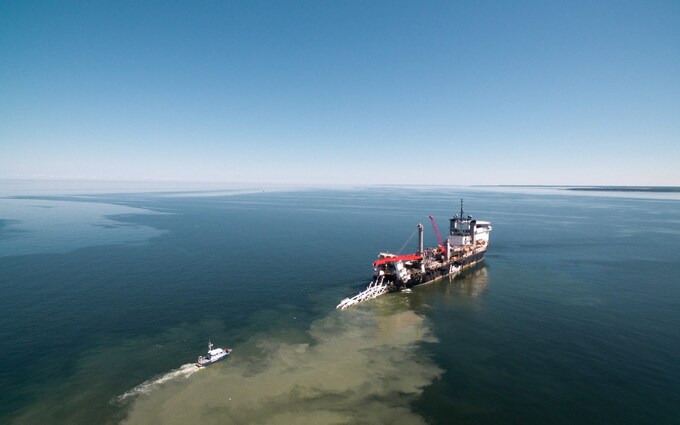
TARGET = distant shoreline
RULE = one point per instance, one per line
(655, 189)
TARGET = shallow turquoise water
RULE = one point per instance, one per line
(574, 318)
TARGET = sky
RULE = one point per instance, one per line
(342, 92)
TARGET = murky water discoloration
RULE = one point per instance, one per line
(361, 367)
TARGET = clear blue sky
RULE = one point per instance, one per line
(349, 92)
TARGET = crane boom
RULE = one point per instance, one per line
(394, 259)
(436, 232)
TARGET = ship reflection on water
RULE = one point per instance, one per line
(471, 284)
(459, 290)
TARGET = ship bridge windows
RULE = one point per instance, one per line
(461, 228)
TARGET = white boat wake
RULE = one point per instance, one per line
(146, 387)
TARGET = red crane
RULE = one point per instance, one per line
(406, 257)
(436, 232)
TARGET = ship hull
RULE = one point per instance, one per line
(447, 271)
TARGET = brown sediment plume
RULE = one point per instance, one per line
(362, 366)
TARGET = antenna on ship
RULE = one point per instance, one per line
(461, 208)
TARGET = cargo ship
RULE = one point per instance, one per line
(464, 247)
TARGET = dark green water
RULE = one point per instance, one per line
(574, 318)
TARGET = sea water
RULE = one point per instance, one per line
(108, 295)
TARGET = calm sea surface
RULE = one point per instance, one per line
(107, 297)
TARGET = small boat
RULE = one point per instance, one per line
(213, 355)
